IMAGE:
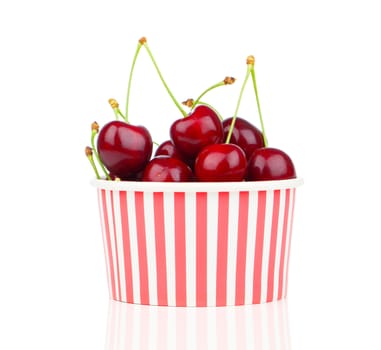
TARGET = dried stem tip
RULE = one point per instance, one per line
(95, 126)
(189, 102)
(250, 60)
(113, 103)
(229, 80)
(142, 40)
(88, 151)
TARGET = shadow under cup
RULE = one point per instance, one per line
(197, 244)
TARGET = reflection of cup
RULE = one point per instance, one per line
(197, 244)
(258, 327)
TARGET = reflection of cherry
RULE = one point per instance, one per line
(244, 134)
(221, 162)
(123, 148)
(200, 128)
(167, 169)
(270, 164)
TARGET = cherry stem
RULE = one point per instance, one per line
(116, 114)
(130, 78)
(228, 137)
(163, 81)
(115, 107)
(206, 91)
(258, 104)
(226, 81)
(89, 155)
(94, 131)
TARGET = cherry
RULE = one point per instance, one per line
(200, 128)
(221, 162)
(123, 148)
(269, 163)
(123, 151)
(167, 169)
(133, 177)
(167, 148)
(244, 134)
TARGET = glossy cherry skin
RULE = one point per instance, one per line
(167, 148)
(270, 164)
(123, 148)
(200, 128)
(221, 162)
(167, 169)
(244, 134)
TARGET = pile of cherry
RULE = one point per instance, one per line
(202, 145)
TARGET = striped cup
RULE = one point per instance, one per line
(197, 244)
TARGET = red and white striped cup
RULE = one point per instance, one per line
(197, 244)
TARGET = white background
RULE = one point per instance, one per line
(318, 74)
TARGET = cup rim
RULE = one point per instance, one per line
(147, 186)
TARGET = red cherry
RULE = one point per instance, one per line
(167, 148)
(124, 149)
(200, 128)
(244, 134)
(167, 169)
(135, 177)
(221, 162)
(270, 164)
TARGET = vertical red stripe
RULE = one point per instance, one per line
(142, 247)
(289, 240)
(115, 245)
(201, 248)
(180, 250)
(108, 243)
(222, 247)
(161, 264)
(126, 246)
(283, 247)
(261, 212)
(241, 248)
(273, 241)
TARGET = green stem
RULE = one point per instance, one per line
(97, 155)
(258, 105)
(163, 81)
(130, 80)
(90, 158)
(221, 83)
(119, 112)
(211, 107)
(116, 113)
(228, 137)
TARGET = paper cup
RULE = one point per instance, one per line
(199, 243)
